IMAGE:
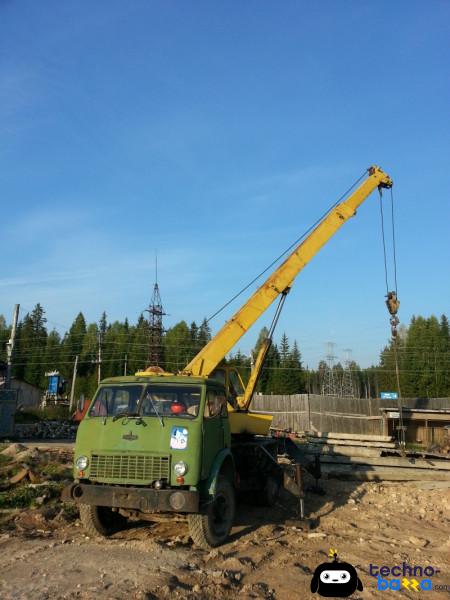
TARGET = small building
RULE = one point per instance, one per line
(28, 395)
(424, 426)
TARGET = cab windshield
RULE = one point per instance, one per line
(146, 401)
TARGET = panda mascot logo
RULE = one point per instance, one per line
(335, 579)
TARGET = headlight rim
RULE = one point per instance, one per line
(84, 464)
(180, 468)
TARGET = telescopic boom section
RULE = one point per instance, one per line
(283, 277)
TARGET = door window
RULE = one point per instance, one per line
(216, 404)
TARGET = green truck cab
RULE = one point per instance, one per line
(156, 444)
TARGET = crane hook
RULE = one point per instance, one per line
(393, 304)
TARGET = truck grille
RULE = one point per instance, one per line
(132, 468)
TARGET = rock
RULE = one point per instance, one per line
(212, 555)
(19, 476)
(13, 449)
(316, 534)
(33, 477)
(25, 455)
(216, 574)
(418, 541)
(232, 564)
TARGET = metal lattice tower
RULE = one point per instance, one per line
(348, 386)
(329, 384)
(155, 324)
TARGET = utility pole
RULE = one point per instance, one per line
(99, 358)
(10, 346)
(125, 365)
(72, 388)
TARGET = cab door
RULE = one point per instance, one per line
(215, 430)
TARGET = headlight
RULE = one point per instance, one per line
(180, 468)
(82, 462)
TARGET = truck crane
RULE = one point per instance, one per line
(188, 442)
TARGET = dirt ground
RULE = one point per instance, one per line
(44, 553)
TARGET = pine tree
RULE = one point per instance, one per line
(138, 350)
(297, 374)
(31, 346)
(273, 368)
(103, 324)
(116, 346)
(443, 360)
(195, 345)
(284, 383)
(52, 355)
(73, 341)
(265, 373)
(5, 333)
(204, 334)
(177, 347)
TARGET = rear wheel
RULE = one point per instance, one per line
(212, 528)
(100, 521)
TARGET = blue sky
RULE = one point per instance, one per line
(217, 133)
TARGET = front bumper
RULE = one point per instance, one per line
(134, 498)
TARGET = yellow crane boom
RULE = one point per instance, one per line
(283, 277)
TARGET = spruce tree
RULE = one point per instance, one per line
(177, 347)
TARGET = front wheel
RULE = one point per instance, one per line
(100, 521)
(212, 528)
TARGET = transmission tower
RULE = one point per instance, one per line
(329, 387)
(155, 324)
(348, 387)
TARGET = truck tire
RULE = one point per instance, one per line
(212, 528)
(100, 521)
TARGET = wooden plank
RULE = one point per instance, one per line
(353, 436)
(352, 443)
(387, 461)
(343, 451)
(385, 474)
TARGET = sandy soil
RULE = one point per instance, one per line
(270, 553)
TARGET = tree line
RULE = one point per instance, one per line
(119, 348)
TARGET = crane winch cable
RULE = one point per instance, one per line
(297, 241)
(393, 304)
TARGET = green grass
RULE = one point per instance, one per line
(50, 413)
(55, 471)
(24, 497)
(4, 460)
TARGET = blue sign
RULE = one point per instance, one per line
(389, 395)
(53, 382)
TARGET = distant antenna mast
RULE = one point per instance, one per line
(329, 387)
(155, 324)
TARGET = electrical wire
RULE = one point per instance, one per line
(295, 243)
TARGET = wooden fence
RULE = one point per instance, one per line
(303, 412)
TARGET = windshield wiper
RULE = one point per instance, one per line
(127, 415)
(148, 395)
